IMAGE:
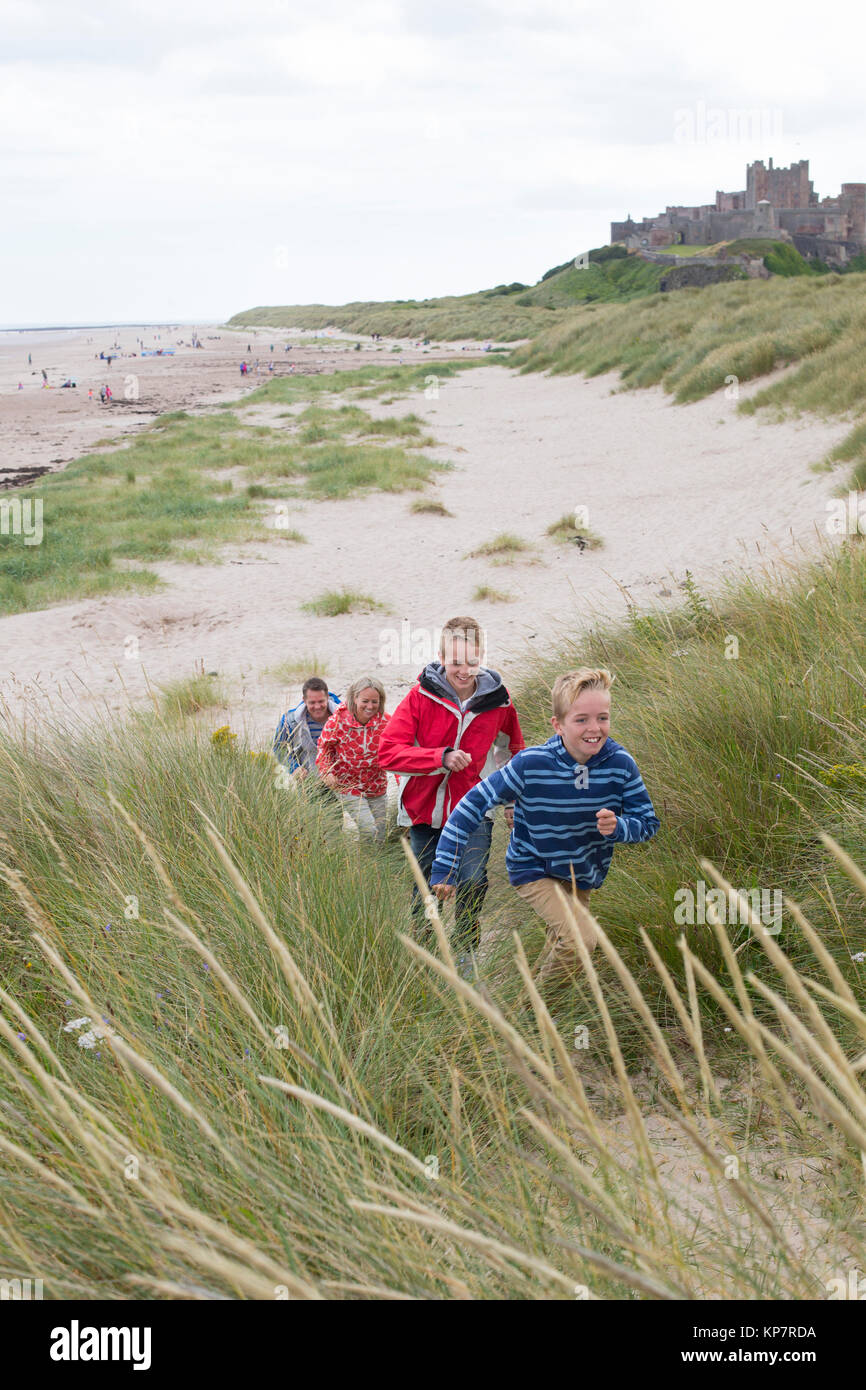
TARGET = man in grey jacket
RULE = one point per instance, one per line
(299, 729)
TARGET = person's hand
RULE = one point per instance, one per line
(330, 780)
(456, 760)
(301, 773)
(606, 821)
(509, 817)
(444, 890)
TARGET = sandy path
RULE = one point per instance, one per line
(668, 488)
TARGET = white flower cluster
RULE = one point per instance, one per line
(92, 1036)
(860, 956)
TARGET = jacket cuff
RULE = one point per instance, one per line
(444, 751)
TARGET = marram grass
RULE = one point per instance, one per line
(229, 1069)
(448, 1149)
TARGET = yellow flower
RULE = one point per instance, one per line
(222, 737)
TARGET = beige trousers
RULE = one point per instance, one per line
(561, 957)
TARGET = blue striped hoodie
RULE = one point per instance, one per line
(555, 801)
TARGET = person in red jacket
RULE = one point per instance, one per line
(452, 728)
(347, 756)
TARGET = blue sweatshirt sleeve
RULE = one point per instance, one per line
(502, 786)
(638, 820)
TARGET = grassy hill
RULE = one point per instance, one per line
(694, 341)
(505, 313)
(487, 314)
(508, 313)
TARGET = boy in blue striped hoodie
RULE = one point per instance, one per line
(574, 798)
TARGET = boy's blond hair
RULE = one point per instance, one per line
(469, 629)
(569, 687)
(363, 683)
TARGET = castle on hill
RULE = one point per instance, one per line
(779, 203)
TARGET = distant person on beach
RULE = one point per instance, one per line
(442, 737)
(29, 360)
(347, 757)
(298, 732)
(575, 797)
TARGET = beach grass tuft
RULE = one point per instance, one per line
(335, 602)
(569, 531)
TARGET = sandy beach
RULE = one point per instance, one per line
(667, 488)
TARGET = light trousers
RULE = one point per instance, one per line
(367, 813)
(561, 959)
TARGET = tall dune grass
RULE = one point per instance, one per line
(287, 1095)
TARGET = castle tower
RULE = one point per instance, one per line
(765, 219)
(853, 201)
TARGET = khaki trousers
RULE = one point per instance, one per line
(561, 957)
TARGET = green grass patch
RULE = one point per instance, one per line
(505, 544)
(188, 485)
(190, 696)
(484, 593)
(335, 602)
(427, 506)
(567, 531)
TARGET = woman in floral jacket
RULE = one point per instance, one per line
(348, 756)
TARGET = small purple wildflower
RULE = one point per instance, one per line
(23, 1037)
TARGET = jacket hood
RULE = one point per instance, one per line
(607, 750)
(490, 692)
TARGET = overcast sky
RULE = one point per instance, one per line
(186, 159)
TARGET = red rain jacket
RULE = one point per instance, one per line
(428, 722)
